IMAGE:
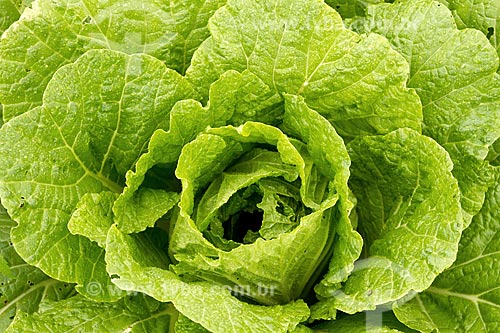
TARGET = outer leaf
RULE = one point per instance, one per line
(410, 216)
(331, 158)
(78, 314)
(323, 174)
(453, 71)
(466, 297)
(84, 139)
(478, 14)
(280, 206)
(10, 11)
(187, 23)
(286, 279)
(4, 268)
(233, 99)
(301, 47)
(482, 15)
(25, 287)
(55, 33)
(131, 259)
(144, 209)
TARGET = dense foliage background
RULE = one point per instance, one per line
(249, 166)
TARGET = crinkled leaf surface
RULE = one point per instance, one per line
(330, 157)
(136, 314)
(322, 175)
(454, 73)
(409, 214)
(466, 297)
(97, 117)
(234, 98)
(484, 16)
(132, 260)
(54, 33)
(24, 287)
(185, 325)
(478, 14)
(10, 11)
(301, 47)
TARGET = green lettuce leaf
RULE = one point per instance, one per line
(409, 215)
(454, 73)
(301, 47)
(85, 139)
(134, 267)
(234, 98)
(10, 11)
(135, 314)
(466, 297)
(482, 15)
(214, 238)
(230, 170)
(55, 33)
(23, 287)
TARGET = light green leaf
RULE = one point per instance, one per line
(484, 16)
(145, 208)
(10, 11)
(466, 297)
(4, 268)
(280, 206)
(478, 14)
(248, 97)
(93, 216)
(130, 259)
(286, 279)
(234, 98)
(55, 33)
(26, 286)
(454, 73)
(77, 314)
(81, 140)
(187, 21)
(185, 325)
(301, 47)
(321, 166)
(409, 215)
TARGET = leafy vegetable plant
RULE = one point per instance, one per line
(249, 166)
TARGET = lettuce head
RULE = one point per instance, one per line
(249, 166)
